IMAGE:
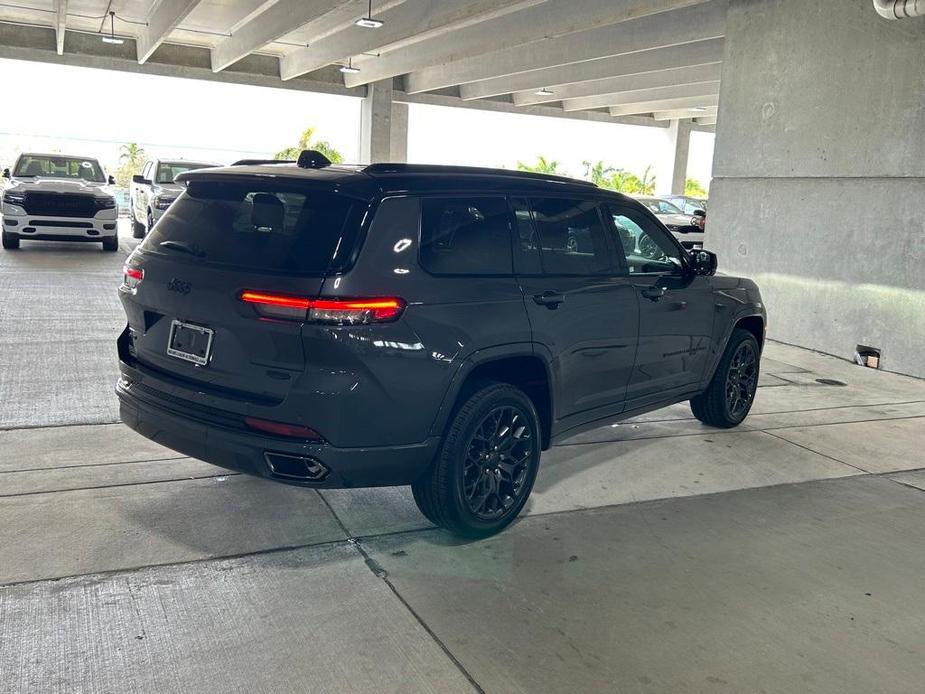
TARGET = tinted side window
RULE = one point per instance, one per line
(466, 236)
(571, 237)
(646, 247)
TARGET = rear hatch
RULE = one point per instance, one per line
(221, 238)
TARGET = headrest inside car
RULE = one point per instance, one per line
(267, 213)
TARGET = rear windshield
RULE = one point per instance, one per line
(268, 227)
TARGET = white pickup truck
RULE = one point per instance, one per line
(154, 189)
(58, 197)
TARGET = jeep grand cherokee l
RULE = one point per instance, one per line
(393, 324)
(54, 197)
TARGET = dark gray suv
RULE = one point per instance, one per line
(334, 326)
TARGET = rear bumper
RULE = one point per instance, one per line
(245, 451)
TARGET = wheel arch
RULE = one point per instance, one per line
(753, 322)
(524, 366)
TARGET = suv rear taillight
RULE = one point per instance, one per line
(362, 311)
(132, 277)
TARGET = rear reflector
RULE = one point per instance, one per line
(330, 311)
(295, 431)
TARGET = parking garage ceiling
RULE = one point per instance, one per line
(637, 60)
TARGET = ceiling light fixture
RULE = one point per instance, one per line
(368, 22)
(348, 69)
(112, 32)
(699, 109)
(544, 92)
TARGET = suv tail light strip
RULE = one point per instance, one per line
(330, 311)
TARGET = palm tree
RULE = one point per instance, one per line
(693, 189)
(306, 142)
(132, 154)
(647, 182)
(542, 165)
(131, 159)
(623, 181)
(598, 174)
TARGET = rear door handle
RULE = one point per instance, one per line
(653, 293)
(549, 299)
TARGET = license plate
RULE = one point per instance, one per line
(189, 342)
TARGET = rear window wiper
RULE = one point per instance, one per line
(182, 247)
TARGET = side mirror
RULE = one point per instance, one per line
(138, 178)
(112, 180)
(6, 173)
(703, 262)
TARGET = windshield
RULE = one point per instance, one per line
(660, 206)
(260, 225)
(31, 165)
(167, 171)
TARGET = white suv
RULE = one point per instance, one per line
(57, 197)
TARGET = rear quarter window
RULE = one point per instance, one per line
(466, 236)
(266, 227)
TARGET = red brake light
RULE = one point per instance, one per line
(331, 311)
(280, 429)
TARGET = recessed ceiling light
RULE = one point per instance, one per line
(348, 69)
(368, 22)
(112, 31)
(544, 92)
(699, 109)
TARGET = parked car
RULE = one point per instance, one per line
(335, 326)
(153, 190)
(687, 204)
(688, 229)
(696, 207)
(58, 197)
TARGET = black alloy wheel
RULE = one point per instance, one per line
(497, 462)
(741, 380)
(484, 471)
(728, 398)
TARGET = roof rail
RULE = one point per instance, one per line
(258, 162)
(387, 168)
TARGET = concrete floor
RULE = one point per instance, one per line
(655, 556)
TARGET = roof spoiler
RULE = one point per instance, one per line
(308, 159)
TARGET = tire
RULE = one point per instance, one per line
(449, 493)
(111, 243)
(10, 241)
(728, 399)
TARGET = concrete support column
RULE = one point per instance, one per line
(680, 133)
(398, 149)
(376, 123)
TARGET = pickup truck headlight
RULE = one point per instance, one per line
(12, 197)
(107, 203)
(162, 202)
